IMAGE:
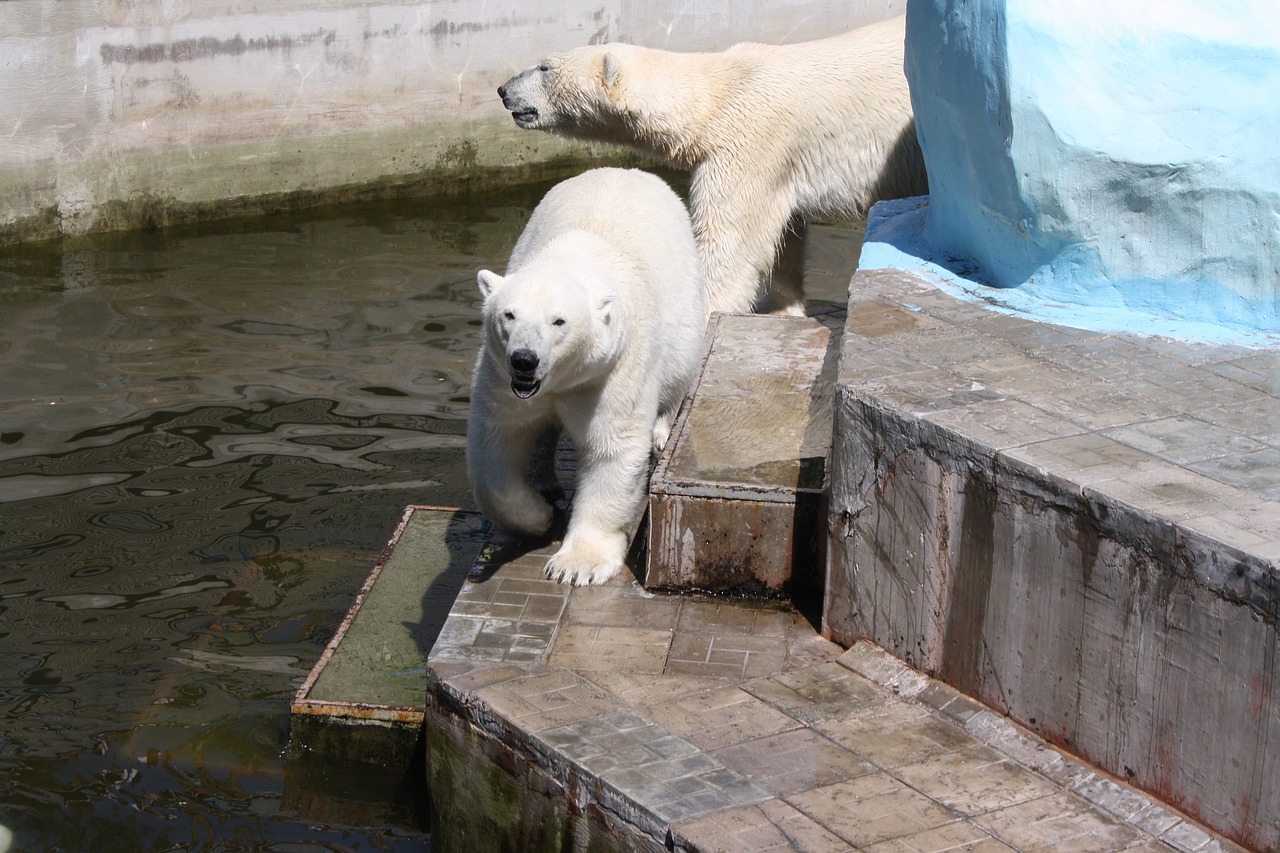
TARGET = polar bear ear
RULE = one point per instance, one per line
(610, 66)
(488, 282)
(604, 309)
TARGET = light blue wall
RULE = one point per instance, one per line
(1111, 156)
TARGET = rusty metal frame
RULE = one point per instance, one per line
(362, 713)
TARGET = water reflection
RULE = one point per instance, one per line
(206, 437)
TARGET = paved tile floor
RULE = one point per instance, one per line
(726, 726)
(715, 725)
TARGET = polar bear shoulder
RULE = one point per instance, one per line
(772, 134)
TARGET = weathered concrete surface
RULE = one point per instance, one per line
(494, 796)
(363, 700)
(735, 501)
(136, 113)
(609, 718)
(1079, 529)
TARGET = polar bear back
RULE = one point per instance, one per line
(641, 219)
(625, 207)
(828, 112)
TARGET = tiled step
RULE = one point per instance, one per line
(628, 720)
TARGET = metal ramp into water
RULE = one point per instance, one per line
(364, 699)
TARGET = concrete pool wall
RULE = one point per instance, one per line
(124, 114)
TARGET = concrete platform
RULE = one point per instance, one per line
(1080, 529)
(613, 718)
(736, 498)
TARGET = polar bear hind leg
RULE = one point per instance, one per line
(497, 460)
(785, 294)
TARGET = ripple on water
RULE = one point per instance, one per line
(205, 439)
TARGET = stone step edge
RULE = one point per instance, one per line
(1126, 804)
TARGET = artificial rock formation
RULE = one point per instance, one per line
(1105, 154)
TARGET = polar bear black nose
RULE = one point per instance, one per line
(524, 361)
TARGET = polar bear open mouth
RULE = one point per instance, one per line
(525, 117)
(525, 388)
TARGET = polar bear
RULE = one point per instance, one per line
(596, 330)
(773, 135)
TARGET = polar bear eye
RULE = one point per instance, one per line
(559, 321)
(508, 315)
(544, 67)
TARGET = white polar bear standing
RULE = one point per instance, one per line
(773, 135)
(597, 330)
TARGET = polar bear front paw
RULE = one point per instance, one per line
(662, 431)
(582, 564)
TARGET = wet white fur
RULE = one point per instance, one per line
(605, 286)
(773, 135)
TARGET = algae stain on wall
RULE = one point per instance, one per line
(131, 113)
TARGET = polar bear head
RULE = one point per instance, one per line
(616, 93)
(564, 93)
(547, 330)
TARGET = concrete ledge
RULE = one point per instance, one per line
(736, 499)
(609, 718)
(1079, 529)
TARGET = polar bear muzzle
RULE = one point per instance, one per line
(524, 370)
(522, 111)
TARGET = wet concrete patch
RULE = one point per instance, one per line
(736, 499)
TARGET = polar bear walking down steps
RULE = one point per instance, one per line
(773, 135)
(596, 329)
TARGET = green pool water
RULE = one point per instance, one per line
(206, 437)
